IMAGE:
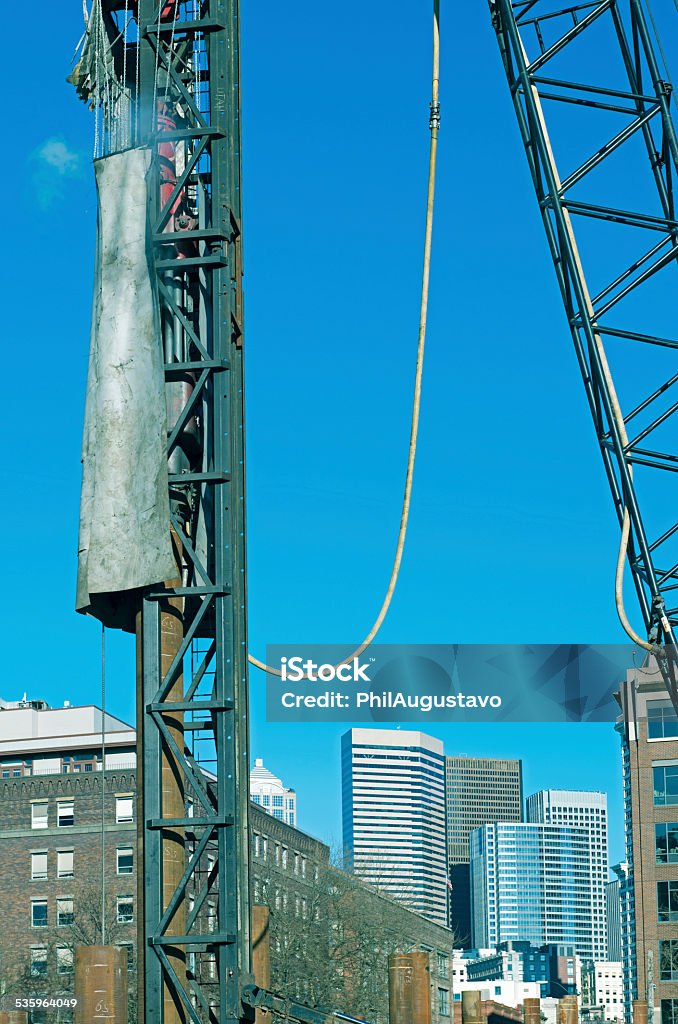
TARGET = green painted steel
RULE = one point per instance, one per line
(193, 63)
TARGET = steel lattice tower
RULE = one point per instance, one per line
(193, 693)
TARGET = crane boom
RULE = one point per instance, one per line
(594, 113)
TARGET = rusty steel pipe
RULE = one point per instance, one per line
(421, 987)
(261, 954)
(172, 796)
(100, 985)
(400, 972)
(532, 1011)
(472, 1007)
(640, 1011)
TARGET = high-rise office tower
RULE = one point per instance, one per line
(649, 732)
(393, 803)
(531, 882)
(544, 880)
(586, 810)
(478, 790)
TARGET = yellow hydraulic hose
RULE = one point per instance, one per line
(434, 125)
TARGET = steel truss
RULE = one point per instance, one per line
(611, 68)
(189, 62)
(190, 100)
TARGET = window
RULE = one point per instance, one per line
(125, 860)
(666, 784)
(257, 845)
(444, 965)
(297, 863)
(64, 863)
(39, 913)
(124, 809)
(39, 865)
(443, 1002)
(277, 801)
(667, 901)
(38, 962)
(65, 813)
(668, 960)
(662, 721)
(277, 854)
(64, 959)
(129, 948)
(125, 909)
(666, 843)
(303, 867)
(64, 911)
(211, 917)
(669, 1010)
(39, 814)
(285, 852)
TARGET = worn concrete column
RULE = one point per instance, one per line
(261, 954)
(532, 1011)
(421, 987)
(472, 1007)
(400, 972)
(100, 985)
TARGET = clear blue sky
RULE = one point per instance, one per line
(512, 534)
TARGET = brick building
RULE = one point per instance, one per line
(649, 732)
(54, 855)
(330, 933)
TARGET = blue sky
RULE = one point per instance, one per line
(512, 535)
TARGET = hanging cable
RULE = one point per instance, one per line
(434, 125)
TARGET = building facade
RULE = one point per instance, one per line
(393, 807)
(587, 810)
(531, 882)
(613, 909)
(58, 852)
(268, 791)
(55, 858)
(648, 727)
(478, 790)
(603, 997)
(554, 967)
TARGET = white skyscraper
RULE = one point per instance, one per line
(586, 810)
(267, 790)
(393, 801)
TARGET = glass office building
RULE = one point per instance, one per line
(531, 882)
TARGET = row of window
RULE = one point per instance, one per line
(124, 812)
(264, 800)
(282, 858)
(64, 959)
(124, 863)
(65, 914)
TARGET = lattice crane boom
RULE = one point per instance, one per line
(598, 61)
